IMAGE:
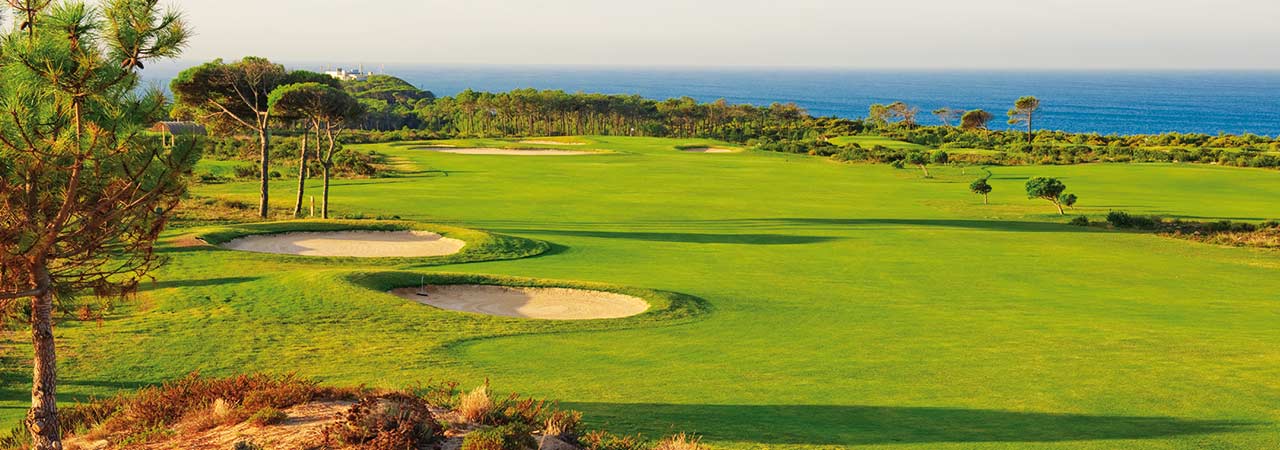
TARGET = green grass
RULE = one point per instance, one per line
(803, 303)
(872, 141)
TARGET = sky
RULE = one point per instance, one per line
(884, 34)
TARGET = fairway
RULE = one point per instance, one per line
(796, 302)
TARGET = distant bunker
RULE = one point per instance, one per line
(359, 244)
(508, 151)
(546, 303)
(708, 150)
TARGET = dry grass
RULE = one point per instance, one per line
(1264, 238)
(475, 406)
(681, 442)
(563, 424)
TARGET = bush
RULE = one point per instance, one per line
(1120, 219)
(1080, 221)
(601, 440)
(1145, 223)
(898, 164)
(267, 416)
(395, 420)
(246, 171)
(506, 437)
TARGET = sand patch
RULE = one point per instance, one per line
(546, 142)
(708, 150)
(528, 303)
(508, 151)
(360, 244)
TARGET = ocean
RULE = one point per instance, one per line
(1106, 102)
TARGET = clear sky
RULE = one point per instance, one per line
(969, 34)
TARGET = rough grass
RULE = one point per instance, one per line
(853, 305)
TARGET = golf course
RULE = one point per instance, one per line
(792, 301)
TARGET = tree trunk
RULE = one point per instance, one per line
(328, 164)
(925, 169)
(302, 176)
(986, 199)
(1060, 211)
(1031, 136)
(263, 145)
(42, 418)
(324, 206)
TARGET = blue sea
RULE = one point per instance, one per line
(1080, 101)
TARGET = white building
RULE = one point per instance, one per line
(344, 75)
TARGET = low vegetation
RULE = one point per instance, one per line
(1225, 232)
(194, 411)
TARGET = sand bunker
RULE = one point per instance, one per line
(508, 151)
(529, 303)
(360, 244)
(708, 150)
(545, 142)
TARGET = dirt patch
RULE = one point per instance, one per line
(360, 244)
(708, 150)
(547, 142)
(528, 303)
(509, 151)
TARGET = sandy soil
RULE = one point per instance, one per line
(301, 429)
(544, 142)
(708, 150)
(508, 151)
(529, 303)
(361, 244)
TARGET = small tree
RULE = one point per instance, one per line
(340, 110)
(1024, 111)
(234, 96)
(84, 193)
(1050, 189)
(946, 115)
(941, 158)
(878, 115)
(301, 102)
(975, 120)
(921, 160)
(983, 188)
(905, 113)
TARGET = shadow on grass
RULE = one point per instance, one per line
(659, 229)
(866, 425)
(696, 238)
(194, 283)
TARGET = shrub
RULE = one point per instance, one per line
(1145, 223)
(387, 421)
(1080, 221)
(246, 171)
(1120, 219)
(563, 424)
(506, 437)
(601, 440)
(475, 406)
(267, 416)
(898, 164)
